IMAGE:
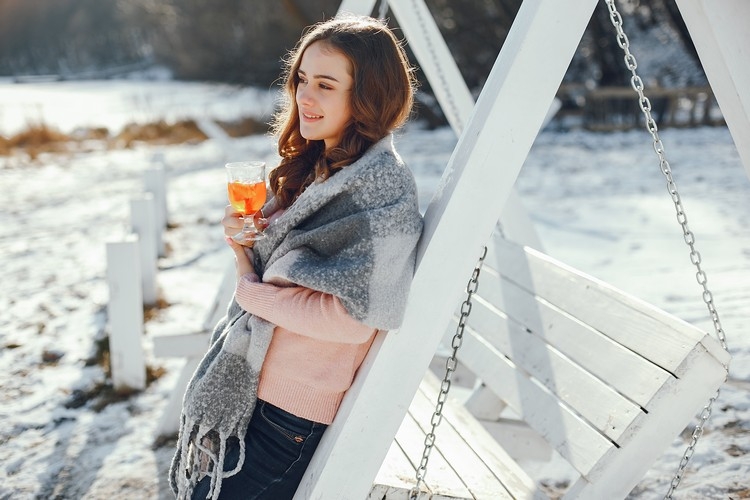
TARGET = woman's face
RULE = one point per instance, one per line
(323, 94)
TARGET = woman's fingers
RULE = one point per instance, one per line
(232, 221)
(242, 256)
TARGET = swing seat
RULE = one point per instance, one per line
(607, 380)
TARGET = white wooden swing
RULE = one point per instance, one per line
(606, 379)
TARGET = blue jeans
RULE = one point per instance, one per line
(278, 448)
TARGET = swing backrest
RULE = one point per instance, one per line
(606, 379)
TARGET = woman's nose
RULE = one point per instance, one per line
(303, 96)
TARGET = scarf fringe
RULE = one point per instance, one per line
(196, 459)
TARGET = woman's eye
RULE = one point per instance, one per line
(324, 86)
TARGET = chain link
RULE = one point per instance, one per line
(450, 366)
(688, 236)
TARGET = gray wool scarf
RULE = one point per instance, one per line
(353, 236)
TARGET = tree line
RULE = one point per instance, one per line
(244, 41)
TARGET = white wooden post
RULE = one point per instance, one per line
(125, 312)
(143, 222)
(720, 33)
(505, 122)
(155, 182)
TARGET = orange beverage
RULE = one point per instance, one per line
(247, 198)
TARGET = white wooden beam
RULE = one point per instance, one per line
(455, 99)
(361, 7)
(506, 120)
(436, 61)
(720, 33)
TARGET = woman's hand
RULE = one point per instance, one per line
(232, 223)
(243, 257)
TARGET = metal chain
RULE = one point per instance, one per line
(450, 366)
(452, 106)
(689, 237)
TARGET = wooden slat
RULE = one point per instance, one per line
(410, 438)
(513, 478)
(627, 372)
(395, 476)
(579, 443)
(671, 411)
(644, 329)
(602, 407)
(474, 473)
(466, 451)
(181, 345)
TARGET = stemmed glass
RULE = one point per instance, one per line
(246, 185)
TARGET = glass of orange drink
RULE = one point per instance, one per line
(246, 185)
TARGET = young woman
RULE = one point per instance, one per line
(334, 268)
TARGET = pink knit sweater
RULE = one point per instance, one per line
(315, 351)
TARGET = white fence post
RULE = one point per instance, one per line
(155, 182)
(125, 312)
(143, 222)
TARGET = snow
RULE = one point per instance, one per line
(599, 202)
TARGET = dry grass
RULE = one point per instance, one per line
(39, 139)
(161, 132)
(35, 140)
(243, 127)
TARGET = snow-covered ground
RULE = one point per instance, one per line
(599, 201)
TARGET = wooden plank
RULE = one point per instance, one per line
(436, 61)
(630, 374)
(362, 7)
(475, 474)
(181, 345)
(468, 449)
(719, 32)
(441, 478)
(507, 118)
(591, 398)
(396, 474)
(513, 478)
(575, 439)
(646, 330)
(670, 412)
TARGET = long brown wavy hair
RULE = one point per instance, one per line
(380, 101)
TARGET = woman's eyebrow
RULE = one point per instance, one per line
(324, 77)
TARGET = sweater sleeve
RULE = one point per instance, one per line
(301, 310)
